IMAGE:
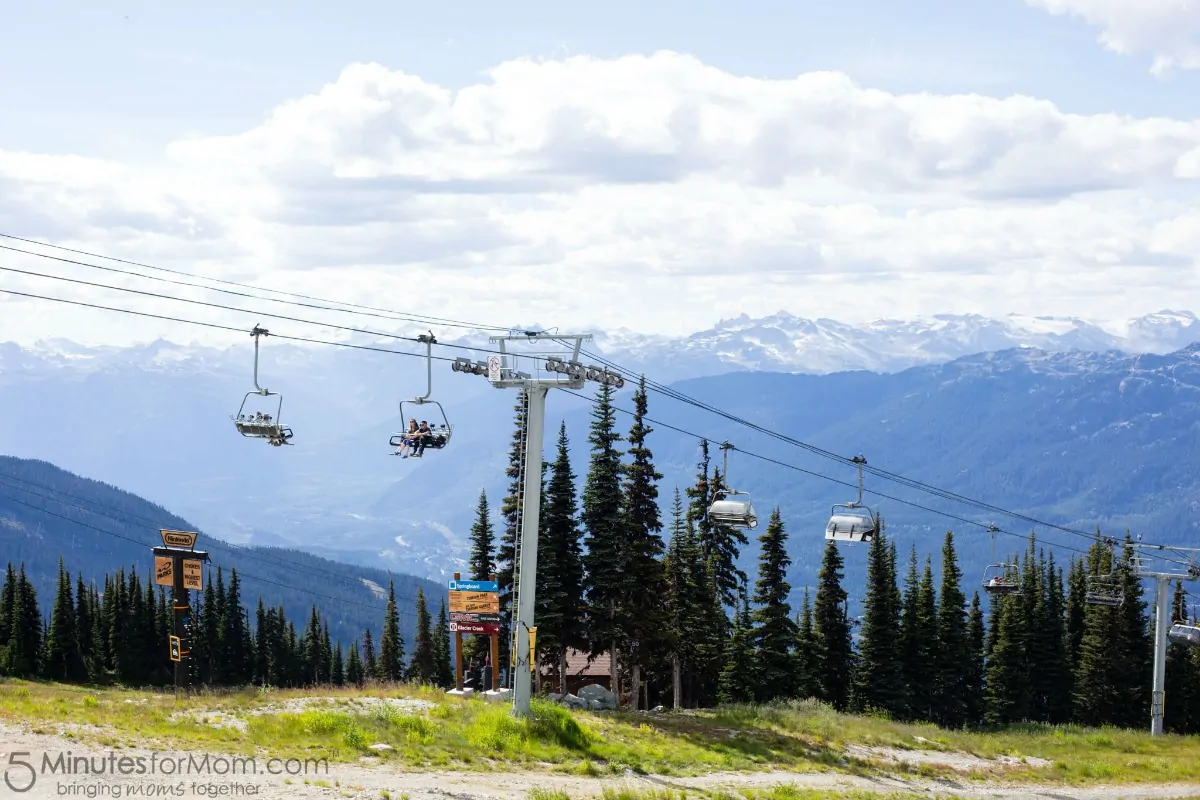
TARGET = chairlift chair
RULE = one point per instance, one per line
(1001, 580)
(730, 507)
(441, 433)
(259, 425)
(855, 522)
(1181, 633)
(1102, 591)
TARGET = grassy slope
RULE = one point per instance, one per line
(471, 734)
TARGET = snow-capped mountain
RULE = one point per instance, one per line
(786, 343)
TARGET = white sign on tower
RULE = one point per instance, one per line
(493, 368)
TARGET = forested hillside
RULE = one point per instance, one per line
(46, 513)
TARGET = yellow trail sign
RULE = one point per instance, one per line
(164, 570)
(192, 573)
(475, 602)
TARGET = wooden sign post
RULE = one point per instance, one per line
(180, 566)
(475, 610)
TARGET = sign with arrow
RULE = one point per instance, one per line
(487, 628)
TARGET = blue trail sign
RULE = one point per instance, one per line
(474, 586)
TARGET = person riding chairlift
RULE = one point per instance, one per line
(409, 440)
(424, 434)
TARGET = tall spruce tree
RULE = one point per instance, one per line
(953, 645)
(1179, 713)
(643, 634)
(808, 663)
(443, 661)
(423, 667)
(607, 547)
(511, 510)
(63, 659)
(391, 646)
(831, 624)
(369, 659)
(677, 566)
(1008, 669)
(973, 690)
(741, 672)
(878, 683)
(1076, 613)
(1136, 656)
(774, 631)
(560, 611)
(1097, 678)
(355, 674)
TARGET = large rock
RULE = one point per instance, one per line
(598, 697)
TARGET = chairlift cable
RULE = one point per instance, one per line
(660, 388)
(387, 314)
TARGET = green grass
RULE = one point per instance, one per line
(472, 734)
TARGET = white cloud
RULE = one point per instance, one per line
(655, 192)
(1167, 29)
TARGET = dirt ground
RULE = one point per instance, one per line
(175, 774)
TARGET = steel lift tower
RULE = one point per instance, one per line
(535, 373)
(1169, 564)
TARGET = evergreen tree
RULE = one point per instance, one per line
(510, 510)
(339, 670)
(85, 629)
(391, 646)
(607, 548)
(63, 659)
(1007, 669)
(774, 632)
(679, 613)
(1052, 681)
(262, 645)
(923, 699)
(1179, 713)
(973, 689)
(369, 662)
(1096, 680)
(483, 542)
(1076, 613)
(559, 609)
(8, 605)
(423, 668)
(643, 543)
(808, 662)
(741, 672)
(878, 681)
(914, 656)
(832, 629)
(482, 565)
(722, 547)
(236, 637)
(954, 658)
(25, 633)
(354, 666)
(1135, 656)
(443, 663)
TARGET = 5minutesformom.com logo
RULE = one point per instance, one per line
(22, 769)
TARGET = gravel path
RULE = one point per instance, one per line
(367, 780)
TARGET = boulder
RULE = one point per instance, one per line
(602, 698)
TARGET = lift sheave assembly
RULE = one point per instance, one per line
(261, 425)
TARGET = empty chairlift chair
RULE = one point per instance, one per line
(1181, 633)
(261, 425)
(853, 522)
(1104, 591)
(730, 507)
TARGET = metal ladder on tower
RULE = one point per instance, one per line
(515, 601)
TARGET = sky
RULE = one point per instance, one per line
(651, 166)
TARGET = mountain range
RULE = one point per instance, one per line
(1072, 431)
